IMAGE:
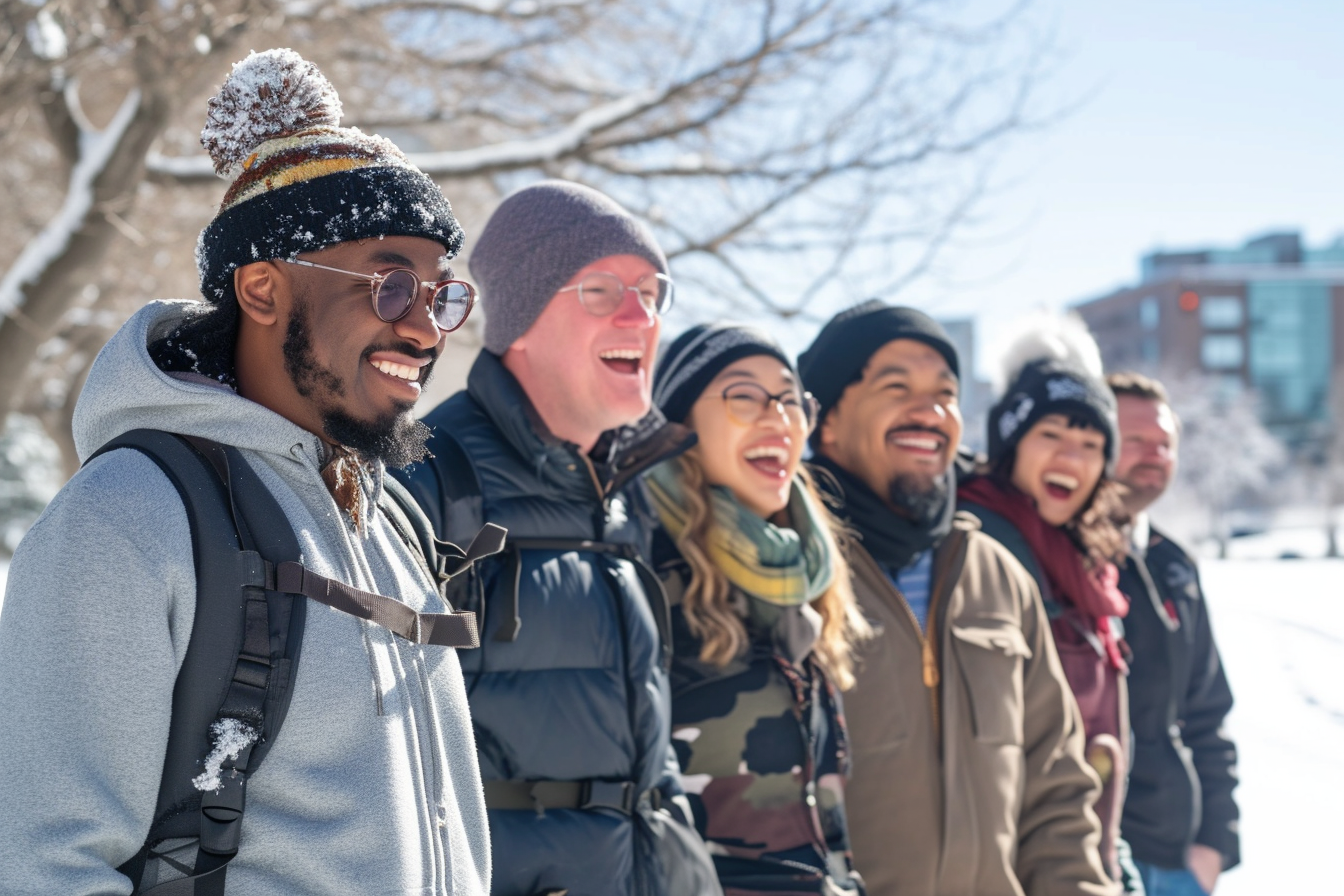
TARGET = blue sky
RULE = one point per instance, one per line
(1199, 123)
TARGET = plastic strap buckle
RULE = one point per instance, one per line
(618, 795)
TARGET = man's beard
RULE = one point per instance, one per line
(922, 499)
(1140, 497)
(395, 438)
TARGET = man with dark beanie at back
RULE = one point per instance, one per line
(968, 769)
(569, 688)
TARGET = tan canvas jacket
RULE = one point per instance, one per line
(969, 777)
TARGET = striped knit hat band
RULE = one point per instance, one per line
(298, 181)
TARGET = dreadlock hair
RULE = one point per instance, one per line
(706, 603)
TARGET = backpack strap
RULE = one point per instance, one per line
(234, 686)
(458, 510)
(443, 559)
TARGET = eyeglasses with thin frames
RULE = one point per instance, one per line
(601, 293)
(748, 402)
(395, 293)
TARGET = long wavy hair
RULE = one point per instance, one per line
(706, 602)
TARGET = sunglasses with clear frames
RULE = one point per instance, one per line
(748, 402)
(602, 293)
(395, 294)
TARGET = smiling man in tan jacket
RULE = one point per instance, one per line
(969, 777)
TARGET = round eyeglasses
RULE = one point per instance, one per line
(748, 402)
(602, 293)
(395, 294)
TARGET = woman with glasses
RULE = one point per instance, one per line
(763, 617)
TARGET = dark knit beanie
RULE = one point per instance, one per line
(540, 237)
(841, 350)
(695, 357)
(299, 182)
(1050, 386)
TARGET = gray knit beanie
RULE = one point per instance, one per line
(536, 240)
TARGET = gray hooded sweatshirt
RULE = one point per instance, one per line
(371, 786)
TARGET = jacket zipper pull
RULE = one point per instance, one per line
(930, 665)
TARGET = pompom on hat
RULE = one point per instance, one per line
(299, 181)
(1052, 367)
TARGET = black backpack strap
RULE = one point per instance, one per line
(236, 678)
(443, 559)
(651, 584)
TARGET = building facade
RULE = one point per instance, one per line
(1267, 317)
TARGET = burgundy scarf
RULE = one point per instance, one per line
(1094, 592)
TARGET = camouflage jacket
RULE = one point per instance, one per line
(763, 754)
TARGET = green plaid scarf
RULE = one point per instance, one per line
(780, 565)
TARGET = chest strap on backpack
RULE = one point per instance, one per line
(443, 629)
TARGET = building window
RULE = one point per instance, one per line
(1149, 351)
(1290, 349)
(1222, 352)
(1150, 313)
(1221, 312)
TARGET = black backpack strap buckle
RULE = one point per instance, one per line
(222, 808)
(618, 795)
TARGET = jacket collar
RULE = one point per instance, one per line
(619, 456)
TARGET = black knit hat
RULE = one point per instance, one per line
(841, 350)
(1050, 386)
(695, 357)
(538, 238)
(299, 182)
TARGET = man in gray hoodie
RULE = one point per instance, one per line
(328, 293)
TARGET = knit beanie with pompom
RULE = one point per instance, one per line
(298, 181)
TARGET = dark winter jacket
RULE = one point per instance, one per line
(762, 748)
(1180, 787)
(581, 693)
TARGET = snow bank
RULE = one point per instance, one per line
(1280, 627)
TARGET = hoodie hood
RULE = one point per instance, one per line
(126, 390)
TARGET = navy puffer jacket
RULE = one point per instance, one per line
(581, 694)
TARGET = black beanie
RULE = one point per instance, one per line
(841, 350)
(695, 357)
(1050, 386)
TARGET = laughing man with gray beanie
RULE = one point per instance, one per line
(569, 689)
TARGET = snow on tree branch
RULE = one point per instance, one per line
(95, 151)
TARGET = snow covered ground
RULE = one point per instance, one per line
(1280, 625)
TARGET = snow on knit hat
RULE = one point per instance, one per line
(695, 357)
(540, 237)
(1053, 367)
(299, 182)
(841, 350)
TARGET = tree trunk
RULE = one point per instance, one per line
(44, 302)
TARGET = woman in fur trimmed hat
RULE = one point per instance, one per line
(763, 615)
(1046, 494)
